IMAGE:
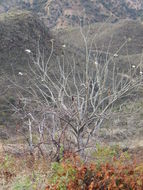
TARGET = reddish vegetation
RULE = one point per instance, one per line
(117, 175)
(121, 172)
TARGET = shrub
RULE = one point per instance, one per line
(71, 173)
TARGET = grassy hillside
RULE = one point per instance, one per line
(19, 31)
(124, 37)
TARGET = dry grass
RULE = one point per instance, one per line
(24, 172)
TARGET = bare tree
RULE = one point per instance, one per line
(66, 103)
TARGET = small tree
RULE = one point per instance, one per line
(68, 104)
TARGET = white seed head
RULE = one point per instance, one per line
(133, 66)
(115, 55)
(96, 63)
(63, 45)
(52, 40)
(20, 73)
(28, 51)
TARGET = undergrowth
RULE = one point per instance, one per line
(118, 173)
(111, 169)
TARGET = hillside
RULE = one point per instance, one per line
(59, 14)
(124, 37)
(19, 31)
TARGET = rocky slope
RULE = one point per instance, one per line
(64, 13)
